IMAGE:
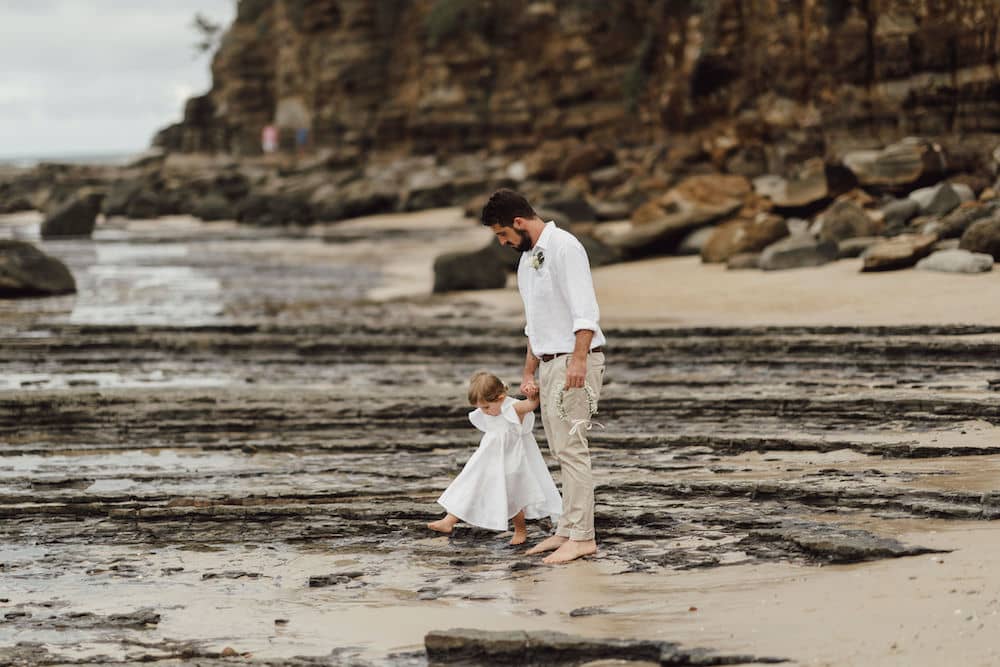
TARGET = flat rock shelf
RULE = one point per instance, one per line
(288, 474)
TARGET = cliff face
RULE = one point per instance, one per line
(446, 76)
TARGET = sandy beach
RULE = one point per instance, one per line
(681, 291)
(797, 465)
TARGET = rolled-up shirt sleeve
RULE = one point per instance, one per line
(578, 288)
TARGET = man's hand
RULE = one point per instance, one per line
(529, 388)
(576, 372)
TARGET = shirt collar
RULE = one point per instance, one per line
(546, 234)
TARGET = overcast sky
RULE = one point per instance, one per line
(86, 76)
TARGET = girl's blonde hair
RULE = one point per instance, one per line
(485, 387)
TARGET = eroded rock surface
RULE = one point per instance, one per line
(275, 474)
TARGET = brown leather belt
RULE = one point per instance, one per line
(550, 357)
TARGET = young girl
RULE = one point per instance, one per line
(506, 477)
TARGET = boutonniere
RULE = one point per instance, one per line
(537, 259)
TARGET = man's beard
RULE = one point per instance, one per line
(524, 244)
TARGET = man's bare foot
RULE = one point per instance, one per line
(548, 544)
(571, 550)
(444, 525)
(520, 529)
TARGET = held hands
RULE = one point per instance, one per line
(529, 388)
(576, 373)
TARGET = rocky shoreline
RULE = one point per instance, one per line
(918, 202)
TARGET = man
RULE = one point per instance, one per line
(565, 346)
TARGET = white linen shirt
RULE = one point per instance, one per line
(559, 295)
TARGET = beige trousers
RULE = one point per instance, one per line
(571, 449)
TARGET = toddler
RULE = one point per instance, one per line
(506, 478)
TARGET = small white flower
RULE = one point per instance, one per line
(537, 259)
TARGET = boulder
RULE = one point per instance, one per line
(946, 244)
(983, 236)
(956, 261)
(802, 188)
(119, 196)
(797, 251)
(749, 161)
(859, 197)
(700, 198)
(561, 219)
(695, 241)
(611, 210)
(573, 206)
(797, 226)
(482, 269)
(144, 204)
(899, 164)
(545, 162)
(583, 159)
(850, 248)
(608, 177)
(939, 199)
(434, 192)
(975, 183)
(964, 191)
(897, 213)
(439, 186)
(464, 646)
(517, 171)
(232, 185)
(743, 236)
(275, 209)
(473, 207)
(14, 202)
(844, 220)
(599, 253)
(26, 271)
(75, 218)
(212, 206)
(744, 260)
(955, 223)
(661, 222)
(899, 252)
(355, 199)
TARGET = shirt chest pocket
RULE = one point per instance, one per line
(544, 286)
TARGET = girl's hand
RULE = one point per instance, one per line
(529, 388)
(525, 406)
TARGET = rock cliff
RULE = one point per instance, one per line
(773, 81)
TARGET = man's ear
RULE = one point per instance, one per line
(519, 223)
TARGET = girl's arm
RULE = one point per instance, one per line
(526, 405)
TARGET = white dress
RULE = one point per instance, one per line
(505, 475)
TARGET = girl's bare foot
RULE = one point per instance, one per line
(444, 525)
(520, 529)
(548, 544)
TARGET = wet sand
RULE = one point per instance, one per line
(232, 437)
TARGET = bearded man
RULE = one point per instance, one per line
(566, 348)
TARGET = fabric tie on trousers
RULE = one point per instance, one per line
(587, 424)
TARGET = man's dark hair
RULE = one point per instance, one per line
(505, 205)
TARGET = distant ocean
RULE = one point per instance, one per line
(115, 158)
